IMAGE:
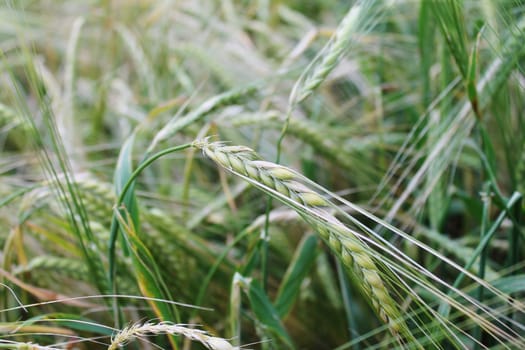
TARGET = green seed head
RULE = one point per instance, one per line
(395, 325)
(365, 261)
(251, 170)
(373, 279)
(210, 154)
(380, 294)
(222, 159)
(323, 232)
(267, 179)
(353, 245)
(281, 188)
(313, 199)
(237, 165)
(347, 258)
(334, 243)
(277, 171)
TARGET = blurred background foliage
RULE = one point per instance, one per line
(421, 122)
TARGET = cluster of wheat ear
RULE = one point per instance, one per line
(288, 186)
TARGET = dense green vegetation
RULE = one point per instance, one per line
(272, 174)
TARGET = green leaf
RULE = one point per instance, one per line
(490, 155)
(127, 202)
(510, 284)
(426, 43)
(471, 81)
(267, 316)
(122, 175)
(301, 263)
(147, 273)
(449, 14)
(71, 321)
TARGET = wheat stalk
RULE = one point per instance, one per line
(286, 185)
(141, 330)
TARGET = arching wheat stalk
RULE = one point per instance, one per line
(356, 250)
(315, 210)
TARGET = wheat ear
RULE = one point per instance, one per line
(361, 17)
(141, 330)
(333, 53)
(286, 185)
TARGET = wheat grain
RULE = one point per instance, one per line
(284, 183)
(141, 330)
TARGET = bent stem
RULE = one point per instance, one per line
(114, 221)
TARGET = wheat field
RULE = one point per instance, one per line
(271, 174)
